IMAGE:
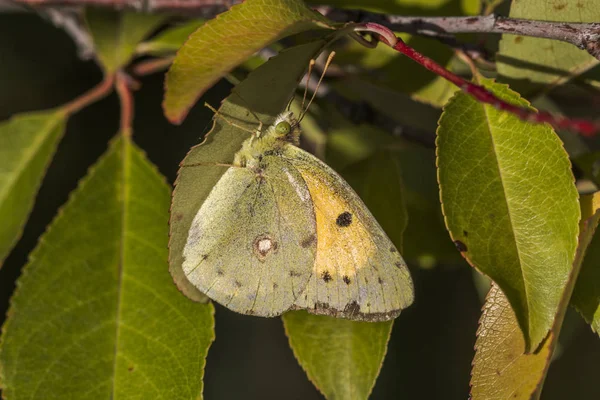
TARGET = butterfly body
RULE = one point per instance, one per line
(281, 231)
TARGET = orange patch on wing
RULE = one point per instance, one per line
(343, 243)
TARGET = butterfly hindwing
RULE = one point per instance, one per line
(358, 274)
(252, 244)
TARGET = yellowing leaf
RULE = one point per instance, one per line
(342, 358)
(501, 370)
(224, 42)
(95, 314)
(510, 204)
(27, 144)
(116, 34)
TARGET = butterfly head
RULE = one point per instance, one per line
(286, 128)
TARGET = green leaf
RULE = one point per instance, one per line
(510, 204)
(278, 78)
(586, 296)
(170, 40)
(378, 182)
(342, 358)
(116, 34)
(501, 370)
(529, 63)
(95, 314)
(27, 144)
(224, 42)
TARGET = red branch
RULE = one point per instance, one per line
(584, 127)
(123, 85)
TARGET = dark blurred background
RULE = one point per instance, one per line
(431, 348)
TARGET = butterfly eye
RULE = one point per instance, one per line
(283, 128)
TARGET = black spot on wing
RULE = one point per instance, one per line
(220, 272)
(346, 279)
(344, 219)
(238, 284)
(295, 274)
(326, 276)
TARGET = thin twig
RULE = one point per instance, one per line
(98, 92)
(123, 85)
(195, 8)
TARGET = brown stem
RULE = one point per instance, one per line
(98, 92)
(123, 85)
(151, 66)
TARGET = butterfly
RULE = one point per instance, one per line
(283, 231)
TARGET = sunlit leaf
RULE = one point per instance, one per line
(95, 314)
(226, 41)
(510, 204)
(341, 357)
(27, 144)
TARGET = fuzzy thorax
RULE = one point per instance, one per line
(285, 130)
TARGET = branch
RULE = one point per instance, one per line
(585, 36)
(190, 8)
(582, 126)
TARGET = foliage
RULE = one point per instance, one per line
(96, 314)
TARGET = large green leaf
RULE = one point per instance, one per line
(95, 314)
(342, 358)
(266, 92)
(528, 63)
(510, 204)
(501, 370)
(27, 143)
(586, 296)
(226, 41)
(116, 34)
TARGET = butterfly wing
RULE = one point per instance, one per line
(252, 244)
(358, 274)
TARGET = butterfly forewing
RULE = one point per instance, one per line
(358, 274)
(251, 244)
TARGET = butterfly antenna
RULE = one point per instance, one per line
(311, 65)
(327, 63)
(218, 114)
